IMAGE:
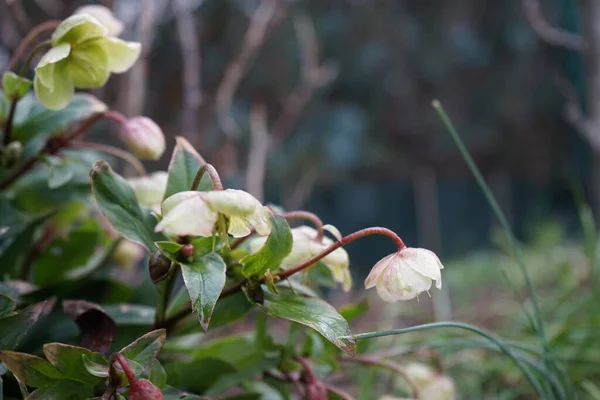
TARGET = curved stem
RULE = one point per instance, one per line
(34, 33)
(505, 349)
(126, 368)
(342, 394)
(388, 365)
(9, 121)
(344, 241)
(115, 151)
(214, 177)
(37, 49)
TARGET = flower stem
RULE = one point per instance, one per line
(126, 368)
(115, 151)
(214, 177)
(9, 121)
(344, 241)
(33, 34)
(34, 52)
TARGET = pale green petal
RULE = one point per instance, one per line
(88, 66)
(121, 54)
(232, 202)
(261, 221)
(105, 16)
(44, 71)
(190, 217)
(173, 201)
(239, 227)
(77, 29)
(60, 95)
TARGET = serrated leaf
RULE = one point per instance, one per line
(145, 349)
(69, 361)
(313, 312)
(276, 248)
(15, 327)
(30, 370)
(118, 203)
(184, 165)
(204, 278)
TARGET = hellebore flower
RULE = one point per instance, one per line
(105, 16)
(144, 138)
(405, 274)
(195, 213)
(306, 245)
(430, 383)
(82, 56)
(150, 190)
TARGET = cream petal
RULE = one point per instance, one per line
(77, 29)
(404, 283)
(105, 16)
(333, 231)
(44, 71)
(424, 262)
(121, 54)
(60, 95)
(378, 269)
(260, 220)
(189, 217)
(239, 227)
(173, 201)
(232, 202)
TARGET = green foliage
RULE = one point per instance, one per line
(185, 163)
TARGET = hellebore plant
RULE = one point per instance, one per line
(216, 257)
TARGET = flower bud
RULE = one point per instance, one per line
(11, 155)
(105, 16)
(316, 391)
(144, 138)
(127, 254)
(143, 389)
(158, 266)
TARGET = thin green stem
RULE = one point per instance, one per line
(42, 46)
(214, 177)
(115, 151)
(539, 324)
(488, 335)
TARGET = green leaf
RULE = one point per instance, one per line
(312, 312)
(63, 390)
(7, 305)
(230, 309)
(94, 368)
(15, 86)
(275, 249)
(33, 120)
(30, 370)
(353, 311)
(197, 375)
(157, 375)
(60, 174)
(15, 327)
(185, 163)
(63, 255)
(171, 393)
(145, 349)
(204, 278)
(130, 314)
(69, 361)
(119, 204)
(170, 249)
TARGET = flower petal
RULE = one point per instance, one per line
(77, 29)
(404, 283)
(424, 262)
(378, 269)
(261, 221)
(88, 66)
(239, 227)
(190, 217)
(121, 54)
(232, 202)
(105, 16)
(173, 201)
(61, 93)
(44, 70)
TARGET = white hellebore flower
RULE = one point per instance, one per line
(405, 274)
(104, 15)
(195, 213)
(306, 245)
(150, 190)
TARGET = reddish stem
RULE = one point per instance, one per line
(214, 177)
(34, 33)
(126, 368)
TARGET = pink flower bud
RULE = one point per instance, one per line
(144, 138)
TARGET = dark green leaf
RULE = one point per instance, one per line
(145, 349)
(63, 255)
(170, 249)
(60, 174)
(30, 370)
(33, 120)
(119, 204)
(275, 249)
(197, 375)
(171, 393)
(15, 86)
(353, 311)
(69, 361)
(313, 312)
(17, 326)
(7, 305)
(185, 163)
(204, 278)
(130, 314)
(63, 390)
(94, 368)
(157, 375)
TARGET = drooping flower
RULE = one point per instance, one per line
(83, 56)
(431, 384)
(150, 190)
(195, 213)
(405, 274)
(306, 244)
(104, 15)
(144, 138)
